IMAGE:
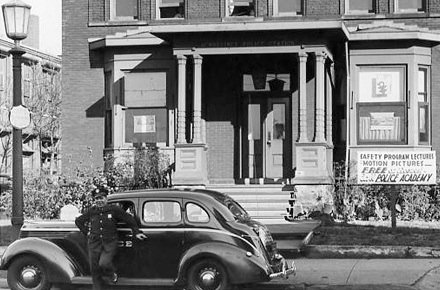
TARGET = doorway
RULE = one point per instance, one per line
(266, 135)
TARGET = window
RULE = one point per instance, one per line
(27, 81)
(124, 10)
(287, 7)
(171, 9)
(410, 6)
(359, 6)
(423, 105)
(381, 106)
(162, 212)
(196, 214)
(145, 89)
(240, 7)
(2, 73)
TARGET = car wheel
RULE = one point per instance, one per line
(207, 275)
(27, 273)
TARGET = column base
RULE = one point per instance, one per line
(191, 168)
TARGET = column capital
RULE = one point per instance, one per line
(197, 58)
(181, 58)
(302, 56)
(321, 56)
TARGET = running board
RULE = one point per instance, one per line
(87, 280)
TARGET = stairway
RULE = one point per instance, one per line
(269, 205)
(264, 203)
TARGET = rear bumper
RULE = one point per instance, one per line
(285, 272)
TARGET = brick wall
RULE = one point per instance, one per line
(435, 100)
(203, 9)
(321, 8)
(83, 86)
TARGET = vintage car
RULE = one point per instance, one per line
(197, 239)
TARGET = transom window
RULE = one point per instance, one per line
(171, 9)
(408, 6)
(240, 7)
(381, 106)
(287, 7)
(359, 6)
(124, 10)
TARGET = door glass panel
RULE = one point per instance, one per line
(161, 212)
(254, 122)
(196, 214)
(279, 121)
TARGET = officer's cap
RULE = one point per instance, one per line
(99, 192)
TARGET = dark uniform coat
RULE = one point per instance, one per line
(99, 224)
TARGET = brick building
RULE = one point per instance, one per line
(245, 92)
(39, 72)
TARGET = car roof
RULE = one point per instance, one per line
(170, 193)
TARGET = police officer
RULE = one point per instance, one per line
(99, 223)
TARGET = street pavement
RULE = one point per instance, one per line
(353, 274)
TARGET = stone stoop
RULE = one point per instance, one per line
(265, 203)
(269, 204)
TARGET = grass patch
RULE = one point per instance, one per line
(378, 234)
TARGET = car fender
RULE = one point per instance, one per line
(60, 266)
(241, 266)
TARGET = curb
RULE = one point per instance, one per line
(368, 252)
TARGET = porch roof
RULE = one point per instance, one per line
(151, 35)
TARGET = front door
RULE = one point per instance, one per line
(266, 136)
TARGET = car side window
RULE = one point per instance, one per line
(127, 206)
(195, 213)
(161, 212)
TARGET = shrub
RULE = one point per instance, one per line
(45, 195)
(364, 202)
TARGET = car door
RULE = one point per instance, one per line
(126, 257)
(159, 254)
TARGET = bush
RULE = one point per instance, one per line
(45, 195)
(364, 202)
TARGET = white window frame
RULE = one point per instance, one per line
(230, 3)
(276, 11)
(115, 17)
(352, 11)
(424, 100)
(159, 5)
(409, 10)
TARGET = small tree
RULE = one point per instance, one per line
(45, 106)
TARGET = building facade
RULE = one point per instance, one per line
(251, 91)
(41, 86)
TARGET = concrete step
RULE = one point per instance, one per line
(292, 237)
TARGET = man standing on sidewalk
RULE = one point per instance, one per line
(99, 224)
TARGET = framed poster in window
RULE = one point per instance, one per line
(381, 84)
(381, 123)
(146, 125)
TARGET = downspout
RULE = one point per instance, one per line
(348, 108)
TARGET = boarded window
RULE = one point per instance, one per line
(145, 89)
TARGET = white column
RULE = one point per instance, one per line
(181, 99)
(302, 87)
(319, 108)
(197, 120)
(329, 98)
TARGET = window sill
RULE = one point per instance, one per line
(241, 19)
(117, 23)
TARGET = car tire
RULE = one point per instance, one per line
(207, 275)
(27, 273)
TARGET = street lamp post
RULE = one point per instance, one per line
(16, 16)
